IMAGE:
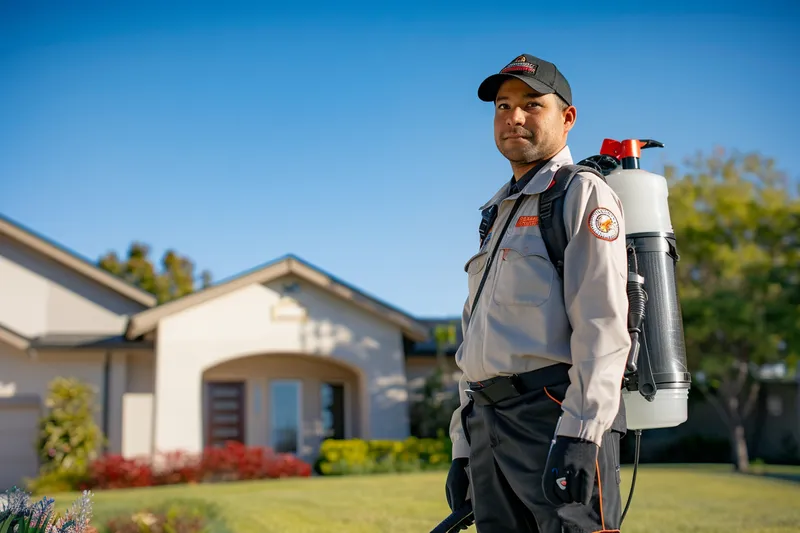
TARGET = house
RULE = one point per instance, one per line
(284, 355)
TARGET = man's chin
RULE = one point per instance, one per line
(519, 155)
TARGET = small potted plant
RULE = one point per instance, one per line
(19, 514)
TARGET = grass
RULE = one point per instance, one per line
(668, 499)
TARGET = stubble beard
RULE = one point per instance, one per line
(523, 155)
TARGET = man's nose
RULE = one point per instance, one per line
(516, 117)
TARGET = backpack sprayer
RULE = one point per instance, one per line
(656, 382)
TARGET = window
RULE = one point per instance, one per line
(285, 416)
(332, 396)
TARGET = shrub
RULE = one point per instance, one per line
(233, 462)
(237, 462)
(172, 517)
(69, 439)
(432, 406)
(117, 472)
(357, 456)
(57, 481)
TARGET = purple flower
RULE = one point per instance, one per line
(17, 501)
(40, 515)
(79, 515)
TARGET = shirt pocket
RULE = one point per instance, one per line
(525, 274)
(474, 268)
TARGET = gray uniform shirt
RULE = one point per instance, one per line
(527, 318)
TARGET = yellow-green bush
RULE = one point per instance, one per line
(357, 456)
(56, 481)
(69, 439)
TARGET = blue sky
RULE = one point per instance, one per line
(352, 135)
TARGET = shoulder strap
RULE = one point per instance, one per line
(498, 239)
(551, 213)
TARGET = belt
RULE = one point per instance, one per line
(501, 388)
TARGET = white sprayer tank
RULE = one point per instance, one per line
(648, 226)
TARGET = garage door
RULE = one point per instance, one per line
(18, 432)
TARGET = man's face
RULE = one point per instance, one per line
(529, 126)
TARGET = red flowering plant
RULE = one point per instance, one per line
(232, 462)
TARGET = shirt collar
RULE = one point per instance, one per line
(538, 183)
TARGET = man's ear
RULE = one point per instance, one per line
(570, 116)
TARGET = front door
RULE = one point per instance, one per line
(225, 414)
(332, 395)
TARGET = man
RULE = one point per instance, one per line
(542, 357)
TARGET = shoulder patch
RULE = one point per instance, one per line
(603, 224)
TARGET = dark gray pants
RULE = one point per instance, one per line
(509, 441)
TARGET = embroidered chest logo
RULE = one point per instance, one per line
(523, 222)
(603, 224)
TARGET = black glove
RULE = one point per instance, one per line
(570, 471)
(457, 485)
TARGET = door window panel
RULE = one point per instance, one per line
(285, 416)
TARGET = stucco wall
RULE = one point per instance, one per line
(39, 296)
(24, 383)
(23, 390)
(138, 406)
(242, 324)
(23, 376)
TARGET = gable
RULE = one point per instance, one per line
(286, 314)
(44, 289)
(286, 268)
(331, 316)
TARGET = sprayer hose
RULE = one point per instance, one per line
(633, 478)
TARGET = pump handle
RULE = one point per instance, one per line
(628, 147)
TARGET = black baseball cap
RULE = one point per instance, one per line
(540, 75)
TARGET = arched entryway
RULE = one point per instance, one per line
(288, 402)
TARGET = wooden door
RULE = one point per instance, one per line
(226, 412)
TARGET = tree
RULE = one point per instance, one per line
(175, 279)
(737, 226)
(432, 406)
(445, 337)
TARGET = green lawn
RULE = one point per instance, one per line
(667, 499)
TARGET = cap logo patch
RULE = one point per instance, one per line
(520, 64)
(603, 224)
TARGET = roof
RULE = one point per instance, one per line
(15, 339)
(74, 261)
(147, 320)
(88, 341)
(69, 341)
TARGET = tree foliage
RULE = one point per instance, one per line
(737, 225)
(432, 406)
(175, 278)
